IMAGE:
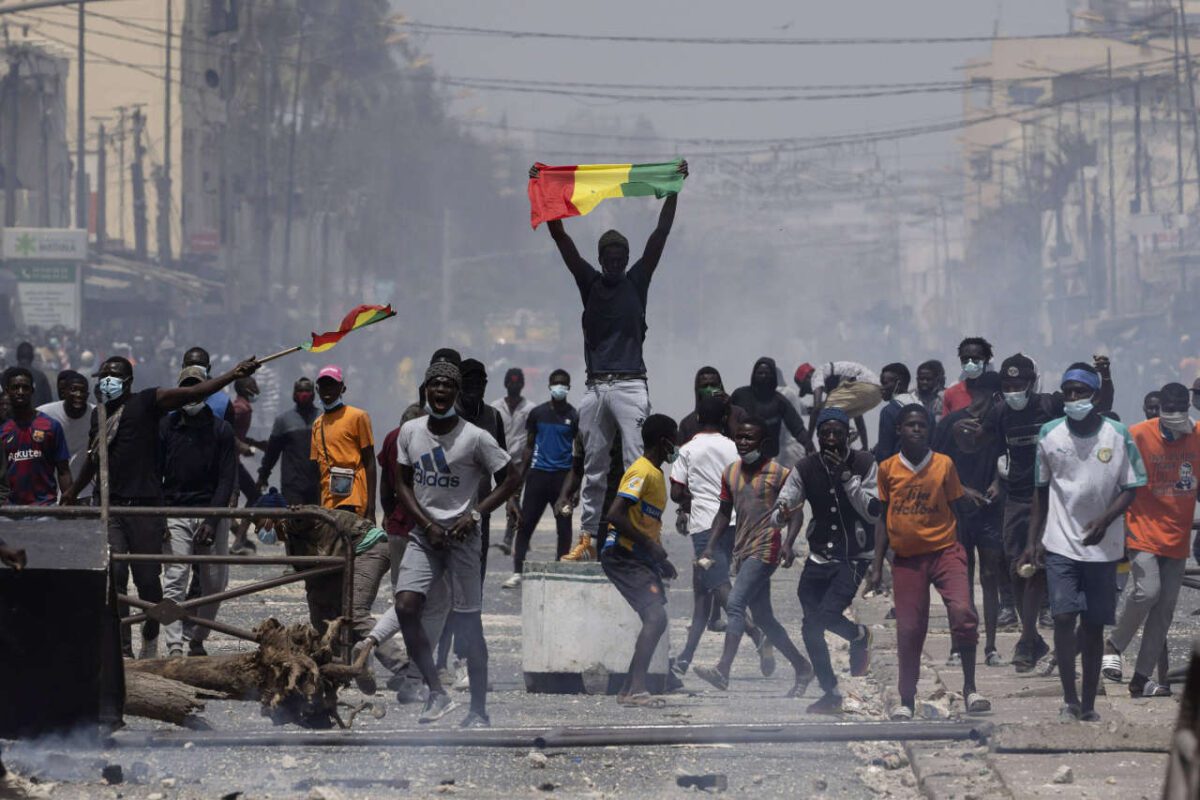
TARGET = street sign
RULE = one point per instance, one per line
(48, 266)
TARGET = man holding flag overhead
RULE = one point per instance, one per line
(614, 308)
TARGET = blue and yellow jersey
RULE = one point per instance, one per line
(645, 487)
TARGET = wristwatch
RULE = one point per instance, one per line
(476, 517)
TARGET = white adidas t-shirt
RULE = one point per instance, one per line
(1085, 475)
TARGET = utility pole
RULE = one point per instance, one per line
(81, 198)
(138, 177)
(286, 268)
(1178, 117)
(164, 191)
(1136, 206)
(1187, 63)
(101, 190)
(10, 163)
(1112, 199)
(121, 176)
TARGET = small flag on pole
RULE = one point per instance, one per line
(360, 317)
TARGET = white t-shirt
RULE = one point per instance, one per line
(699, 467)
(447, 469)
(76, 431)
(1085, 475)
(514, 425)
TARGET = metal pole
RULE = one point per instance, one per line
(13, 83)
(101, 189)
(1191, 79)
(541, 738)
(1178, 117)
(81, 198)
(263, 561)
(102, 450)
(286, 267)
(121, 177)
(1112, 200)
(165, 255)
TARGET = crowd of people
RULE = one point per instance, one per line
(1046, 496)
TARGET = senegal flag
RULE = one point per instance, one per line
(561, 192)
(360, 317)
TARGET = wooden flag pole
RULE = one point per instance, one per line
(280, 354)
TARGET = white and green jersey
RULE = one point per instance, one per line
(1085, 475)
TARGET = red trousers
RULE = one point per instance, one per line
(912, 576)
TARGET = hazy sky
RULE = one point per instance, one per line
(691, 64)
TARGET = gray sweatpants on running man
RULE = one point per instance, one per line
(214, 578)
(1154, 583)
(608, 407)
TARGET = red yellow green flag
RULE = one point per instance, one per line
(360, 317)
(561, 192)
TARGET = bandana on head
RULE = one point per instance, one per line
(443, 369)
(833, 415)
(1084, 376)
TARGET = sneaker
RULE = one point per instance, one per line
(437, 705)
(196, 648)
(954, 659)
(1069, 713)
(513, 581)
(1090, 716)
(476, 720)
(891, 614)
(829, 703)
(408, 691)
(583, 550)
(1025, 658)
(1151, 688)
(175, 652)
(766, 659)
(462, 679)
(977, 703)
(902, 713)
(860, 652)
(149, 649)
(1045, 620)
(713, 675)
(679, 667)
(717, 624)
(506, 546)
(1047, 666)
(993, 659)
(1111, 667)
(1007, 619)
(803, 679)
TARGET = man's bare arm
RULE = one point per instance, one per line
(580, 268)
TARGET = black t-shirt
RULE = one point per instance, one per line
(976, 470)
(614, 320)
(1018, 432)
(774, 411)
(133, 470)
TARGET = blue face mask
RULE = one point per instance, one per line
(334, 406)
(1078, 409)
(451, 412)
(111, 387)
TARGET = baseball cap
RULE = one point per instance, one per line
(332, 371)
(193, 372)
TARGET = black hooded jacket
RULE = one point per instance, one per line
(689, 426)
(766, 403)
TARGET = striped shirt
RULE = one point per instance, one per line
(753, 496)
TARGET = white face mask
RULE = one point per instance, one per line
(192, 409)
(972, 368)
(453, 412)
(1017, 400)
(1078, 409)
(1177, 422)
(559, 391)
(753, 457)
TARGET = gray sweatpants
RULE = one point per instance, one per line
(369, 568)
(214, 578)
(608, 407)
(437, 606)
(1154, 583)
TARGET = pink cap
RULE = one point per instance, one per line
(330, 371)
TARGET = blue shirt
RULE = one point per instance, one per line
(554, 436)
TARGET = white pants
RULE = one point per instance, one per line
(608, 407)
(214, 578)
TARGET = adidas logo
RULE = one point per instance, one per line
(434, 471)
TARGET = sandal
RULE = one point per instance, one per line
(978, 704)
(641, 700)
(1155, 689)
(713, 676)
(1110, 667)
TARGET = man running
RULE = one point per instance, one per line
(1087, 470)
(34, 445)
(750, 487)
(840, 486)
(893, 388)
(614, 332)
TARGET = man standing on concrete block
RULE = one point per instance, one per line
(633, 557)
(614, 329)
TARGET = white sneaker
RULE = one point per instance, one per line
(462, 679)
(513, 581)
(149, 649)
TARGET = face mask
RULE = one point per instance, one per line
(333, 406)
(252, 399)
(267, 536)
(1017, 400)
(753, 457)
(1078, 409)
(111, 387)
(672, 454)
(447, 415)
(1176, 421)
(708, 391)
(304, 398)
(972, 369)
(559, 392)
(192, 409)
